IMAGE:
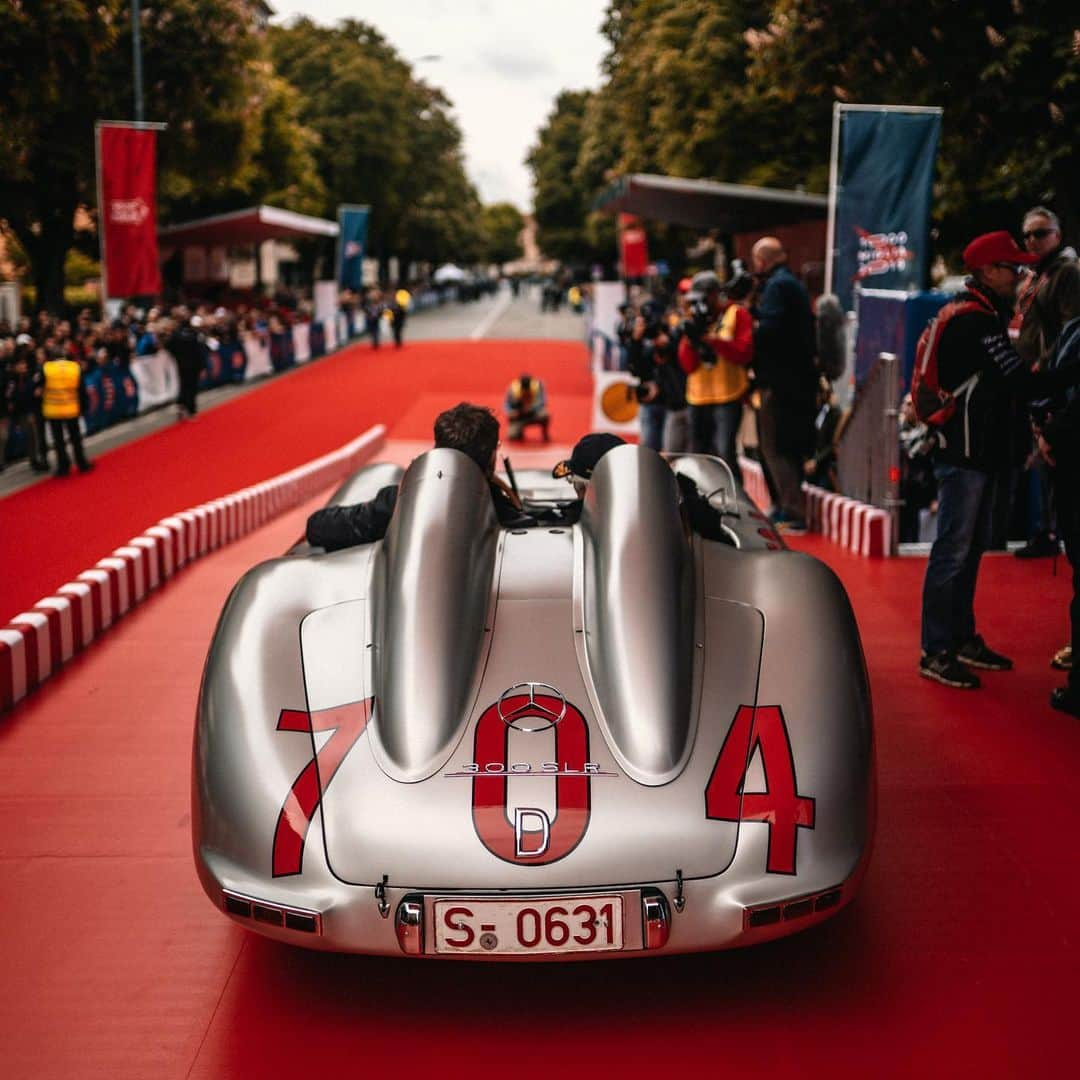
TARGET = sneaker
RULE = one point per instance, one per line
(1062, 660)
(1064, 700)
(86, 466)
(976, 654)
(61, 472)
(944, 668)
(1039, 546)
(792, 526)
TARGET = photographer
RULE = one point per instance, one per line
(652, 358)
(715, 349)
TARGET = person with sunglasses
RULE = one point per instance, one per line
(1047, 300)
(1051, 295)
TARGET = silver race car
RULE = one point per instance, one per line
(604, 735)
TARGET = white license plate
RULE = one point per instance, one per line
(524, 927)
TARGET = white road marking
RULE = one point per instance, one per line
(485, 324)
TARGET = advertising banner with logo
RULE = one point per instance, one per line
(879, 197)
(127, 201)
(352, 240)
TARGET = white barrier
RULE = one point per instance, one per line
(258, 356)
(157, 379)
(301, 340)
(36, 643)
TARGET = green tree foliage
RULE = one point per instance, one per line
(562, 200)
(234, 134)
(386, 139)
(743, 91)
(500, 227)
(1006, 73)
(51, 87)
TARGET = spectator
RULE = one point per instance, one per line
(373, 313)
(189, 350)
(785, 377)
(821, 468)
(716, 348)
(974, 445)
(1059, 444)
(21, 405)
(525, 405)
(398, 307)
(61, 406)
(469, 428)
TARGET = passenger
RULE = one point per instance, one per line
(469, 428)
(578, 467)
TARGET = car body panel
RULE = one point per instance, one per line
(375, 724)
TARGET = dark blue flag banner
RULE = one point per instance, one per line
(352, 241)
(880, 190)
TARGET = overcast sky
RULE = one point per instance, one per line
(502, 62)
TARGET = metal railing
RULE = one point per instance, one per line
(868, 448)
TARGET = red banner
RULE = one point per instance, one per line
(128, 211)
(635, 252)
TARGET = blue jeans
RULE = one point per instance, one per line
(652, 426)
(713, 429)
(965, 501)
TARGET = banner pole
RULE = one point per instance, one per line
(101, 220)
(834, 172)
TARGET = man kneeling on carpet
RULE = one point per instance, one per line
(469, 428)
(526, 403)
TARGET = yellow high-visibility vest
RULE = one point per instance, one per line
(724, 381)
(61, 400)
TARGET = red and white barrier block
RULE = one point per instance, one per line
(36, 643)
(854, 525)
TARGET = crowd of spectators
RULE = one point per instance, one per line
(201, 336)
(997, 382)
(713, 349)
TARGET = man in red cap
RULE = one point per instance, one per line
(981, 440)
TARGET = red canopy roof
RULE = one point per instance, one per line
(251, 226)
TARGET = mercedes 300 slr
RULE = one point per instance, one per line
(604, 735)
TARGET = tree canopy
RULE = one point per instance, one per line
(742, 91)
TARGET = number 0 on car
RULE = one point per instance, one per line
(494, 927)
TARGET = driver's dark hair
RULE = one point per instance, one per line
(472, 429)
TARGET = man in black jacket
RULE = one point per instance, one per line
(1059, 445)
(785, 377)
(980, 440)
(189, 349)
(469, 428)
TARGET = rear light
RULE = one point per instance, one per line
(244, 907)
(789, 910)
(655, 919)
(409, 924)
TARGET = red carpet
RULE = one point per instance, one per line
(959, 958)
(54, 530)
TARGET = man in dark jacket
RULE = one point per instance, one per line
(784, 376)
(469, 428)
(1059, 445)
(189, 349)
(1051, 297)
(980, 440)
(1047, 300)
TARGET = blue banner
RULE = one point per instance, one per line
(882, 224)
(352, 240)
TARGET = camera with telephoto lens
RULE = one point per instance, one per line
(694, 328)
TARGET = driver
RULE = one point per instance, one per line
(469, 428)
